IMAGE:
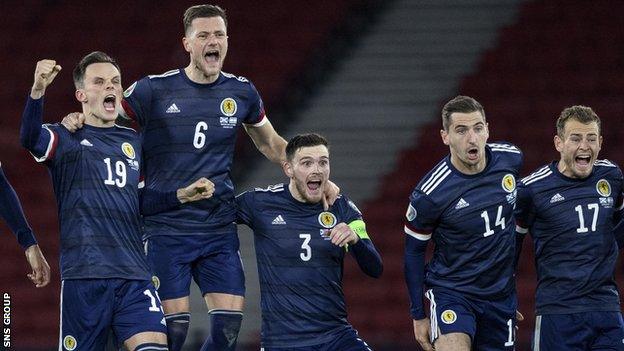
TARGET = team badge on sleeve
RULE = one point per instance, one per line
(228, 107)
(128, 150)
(449, 317)
(509, 183)
(130, 89)
(603, 187)
(327, 219)
(411, 213)
(69, 343)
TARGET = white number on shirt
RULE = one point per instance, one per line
(582, 228)
(200, 138)
(510, 337)
(307, 255)
(500, 221)
(120, 170)
(154, 307)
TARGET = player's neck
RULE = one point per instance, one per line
(469, 169)
(94, 121)
(197, 76)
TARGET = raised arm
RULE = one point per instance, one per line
(31, 136)
(268, 142)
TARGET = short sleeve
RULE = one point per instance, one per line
(256, 115)
(137, 100)
(524, 211)
(245, 204)
(421, 216)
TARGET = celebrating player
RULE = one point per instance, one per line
(189, 119)
(11, 212)
(95, 172)
(466, 205)
(570, 207)
(300, 250)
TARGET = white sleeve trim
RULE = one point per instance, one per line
(262, 122)
(48, 149)
(419, 236)
(521, 230)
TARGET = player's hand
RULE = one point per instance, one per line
(40, 275)
(330, 194)
(201, 189)
(45, 72)
(422, 332)
(342, 235)
(73, 121)
(519, 316)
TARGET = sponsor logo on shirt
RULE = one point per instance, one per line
(461, 204)
(279, 220)
(228, 122)
(556, 198)
(173, 109)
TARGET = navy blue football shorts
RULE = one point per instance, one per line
(596, 331)
(490, 323)
(91, 307)
(347, 340)
(212, 260)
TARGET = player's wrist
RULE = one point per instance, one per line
(37, 93)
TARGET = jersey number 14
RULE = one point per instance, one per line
(500, 221)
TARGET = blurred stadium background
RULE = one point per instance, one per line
(371, 75)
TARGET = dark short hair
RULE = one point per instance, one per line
(579, 113)
(303, 140)
(461, 104)
(201, 11)
(94, 57)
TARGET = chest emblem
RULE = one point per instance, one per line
(509, 183)
(228, 107)
(327, 219)
(128, 150)
(603, 187)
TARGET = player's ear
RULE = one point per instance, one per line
(287, 167)
(558, 143)
(186, 44)
(81, 95)
(444, 135)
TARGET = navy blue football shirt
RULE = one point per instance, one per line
(189, 131)
(95, 174)
(470, 218)
(571, 222)
(300, 270)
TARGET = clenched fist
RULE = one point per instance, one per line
(200, 189)
(45, 72)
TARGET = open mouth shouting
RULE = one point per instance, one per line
(110, 103)
(313, 186)
(473, 153)
(583, 161)
(212, 56)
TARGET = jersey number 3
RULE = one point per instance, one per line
(306, 255)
